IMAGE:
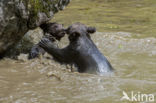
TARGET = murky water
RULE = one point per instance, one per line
(126, 36)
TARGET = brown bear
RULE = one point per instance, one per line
(81, 50)
(52, 31)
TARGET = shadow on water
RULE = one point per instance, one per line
(126, 38)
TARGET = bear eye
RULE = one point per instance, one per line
(88, 35)
(55, 26)
(76, 34)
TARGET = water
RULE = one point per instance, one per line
(135, 16)
(126, 36)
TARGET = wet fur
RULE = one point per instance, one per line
(55, 32)
(81, 51)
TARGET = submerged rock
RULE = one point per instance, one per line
(19, 16)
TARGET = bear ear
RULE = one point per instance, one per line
(91, 30)
(43, 26)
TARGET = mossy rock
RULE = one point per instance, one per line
(19, 16)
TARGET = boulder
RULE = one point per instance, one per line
(19, 16)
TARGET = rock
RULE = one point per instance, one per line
(19, 16)
(54, 74)
(23, 57)
(31, 38)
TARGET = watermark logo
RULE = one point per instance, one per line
(138, 97)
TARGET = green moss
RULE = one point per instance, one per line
(38, 6)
